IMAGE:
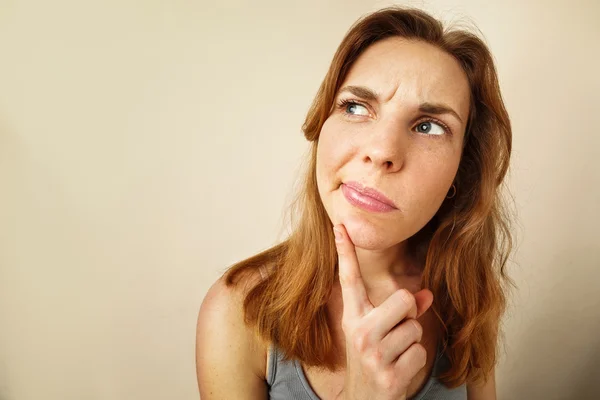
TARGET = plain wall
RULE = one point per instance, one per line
(146, 146)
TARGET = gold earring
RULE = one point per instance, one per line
(453, 194)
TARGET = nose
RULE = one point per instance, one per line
(386, 146)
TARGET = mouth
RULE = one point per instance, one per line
(367, 198)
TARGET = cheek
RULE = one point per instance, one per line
(435, 177)
(330, 154)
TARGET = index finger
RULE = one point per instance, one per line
(356, 303)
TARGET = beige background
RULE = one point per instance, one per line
(145, 146)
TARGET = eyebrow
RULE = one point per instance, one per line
(430, 108)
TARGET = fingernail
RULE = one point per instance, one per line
(337, 234)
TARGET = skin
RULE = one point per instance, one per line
(381, 149)
(380, 145)
(385, 357)
(383, 353)
(411, 156)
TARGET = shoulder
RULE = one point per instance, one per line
(484, 390)
(226, 348)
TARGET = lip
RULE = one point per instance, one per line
(367, 198)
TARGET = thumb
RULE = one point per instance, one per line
(424, 300)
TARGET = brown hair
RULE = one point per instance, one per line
(466, 244)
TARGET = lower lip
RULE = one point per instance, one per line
(365, 202)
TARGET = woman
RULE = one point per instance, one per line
(391, 284)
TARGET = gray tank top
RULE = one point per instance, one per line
(286, 381)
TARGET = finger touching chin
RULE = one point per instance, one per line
(368, 235)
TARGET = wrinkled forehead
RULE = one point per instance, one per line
(411, 71)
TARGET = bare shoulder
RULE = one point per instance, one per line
(485, 390)
(230, 359)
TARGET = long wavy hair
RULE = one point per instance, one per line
(464, 247)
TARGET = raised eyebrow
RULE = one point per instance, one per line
(431, 108)
(438, 108)
(361, 91)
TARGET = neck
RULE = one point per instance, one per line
(392, 264)
(383, 272)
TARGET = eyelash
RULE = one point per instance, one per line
(344, 103)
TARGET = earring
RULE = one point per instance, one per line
(453, 194)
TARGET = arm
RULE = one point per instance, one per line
(485, 391)
(227, 353)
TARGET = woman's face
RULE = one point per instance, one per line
(397, 127)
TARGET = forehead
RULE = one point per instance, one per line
(411, 70)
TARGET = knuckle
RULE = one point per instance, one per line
(372, 364)
(377, 355)
(360, 340)
(386, 380)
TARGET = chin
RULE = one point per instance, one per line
(371, 235)
(369, 231)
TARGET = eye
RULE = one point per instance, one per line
(353, 108)
(431, 128)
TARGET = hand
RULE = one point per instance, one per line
(383, 353)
